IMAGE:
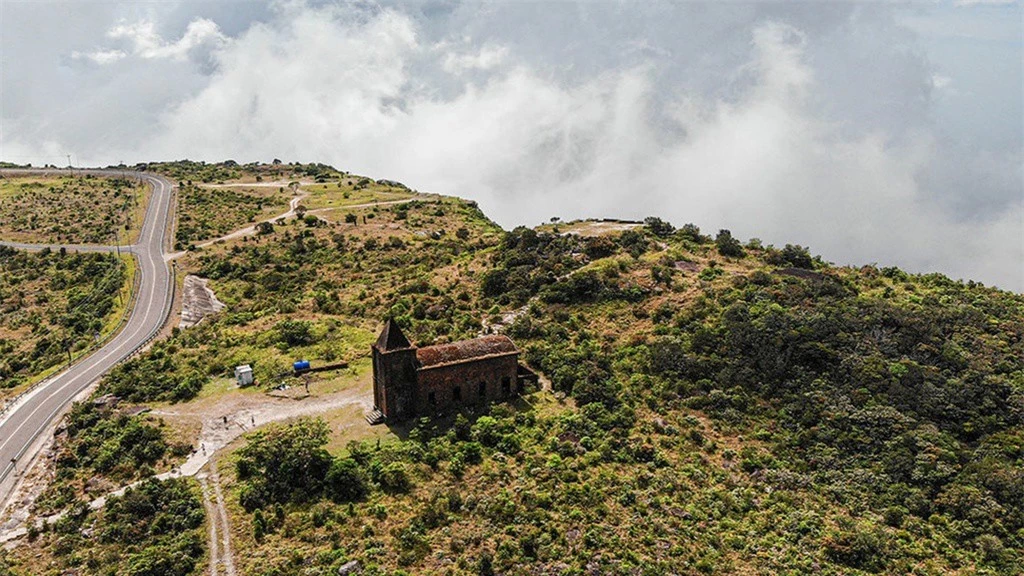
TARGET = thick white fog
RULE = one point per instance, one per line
(870, 132)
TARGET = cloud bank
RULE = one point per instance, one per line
(816, 129)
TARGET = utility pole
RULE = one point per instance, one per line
(117, 246)
(70, 169)
(67, 346)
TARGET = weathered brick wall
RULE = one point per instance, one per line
(468, 377)
(394, 383)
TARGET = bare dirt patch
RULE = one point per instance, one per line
(587, 228)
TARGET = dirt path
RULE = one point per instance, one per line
(237, 416)
(227, 557)
(248, 230)
(293, 204)
(274, 184)
(367, 205)
(222, 424)
(211, 515)
(220, 528)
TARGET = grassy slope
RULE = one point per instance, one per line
(66, 210)
(723, 414)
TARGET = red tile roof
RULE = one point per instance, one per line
(465, 351)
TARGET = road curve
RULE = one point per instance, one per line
(23, 424)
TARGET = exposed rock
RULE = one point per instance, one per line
(392, 184)
(107, 400)
(351, 567)
(198, 302)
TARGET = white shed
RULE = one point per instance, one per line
(243, 374)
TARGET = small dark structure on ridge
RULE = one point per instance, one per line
(410, 381)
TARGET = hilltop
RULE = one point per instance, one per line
(708, 405)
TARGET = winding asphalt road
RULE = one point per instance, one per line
(23, 424)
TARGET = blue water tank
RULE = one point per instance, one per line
(301, 366)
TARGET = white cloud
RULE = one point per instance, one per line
(786, 127)
(100, 57)
(970, 3)
(322, 87)
(147, 43)
(486, 58)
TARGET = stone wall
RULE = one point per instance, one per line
(443, 388)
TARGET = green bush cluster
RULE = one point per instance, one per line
(153, 529)
(288, 464)
(155, 375)
(116, 445)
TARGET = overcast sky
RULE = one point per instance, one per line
(872, 132)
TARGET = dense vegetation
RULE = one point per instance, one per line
(153, 529)
(716, 407)
(50, 303)
(70, 210)
(154, 376)
(220, 172)
(101, 448)
(767, 413)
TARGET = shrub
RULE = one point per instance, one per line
(394, 477)
(727, 245)
(346, 481)
(294, 332)
(658, 227)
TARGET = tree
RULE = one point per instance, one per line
(727, 245)
(797, 256)
(264, 228)
(658, 227)
(285, 464)
(691, 232)
(350, 218)
(494, 282)
(633, 242)
(599, 247)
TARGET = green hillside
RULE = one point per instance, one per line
(709, 407)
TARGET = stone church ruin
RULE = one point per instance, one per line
(409, 381)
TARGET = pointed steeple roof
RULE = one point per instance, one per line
(391, 338)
